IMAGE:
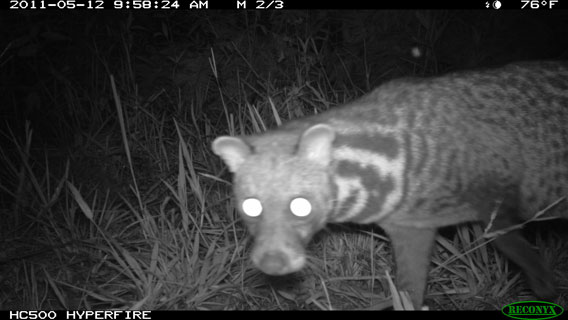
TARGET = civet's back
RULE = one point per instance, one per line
(412, 156)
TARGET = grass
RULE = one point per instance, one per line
(111, 197)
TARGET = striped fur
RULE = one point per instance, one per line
(412, 156)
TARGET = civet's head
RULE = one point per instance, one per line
(282, 190)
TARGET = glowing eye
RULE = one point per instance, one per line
(252, 207)
(300, 207)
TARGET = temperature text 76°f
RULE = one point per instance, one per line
(538, 4)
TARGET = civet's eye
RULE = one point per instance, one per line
(252, 207)
(300, 207)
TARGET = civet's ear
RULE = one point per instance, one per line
(232, 150)
(316, 143)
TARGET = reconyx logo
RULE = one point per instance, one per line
(532, 310)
